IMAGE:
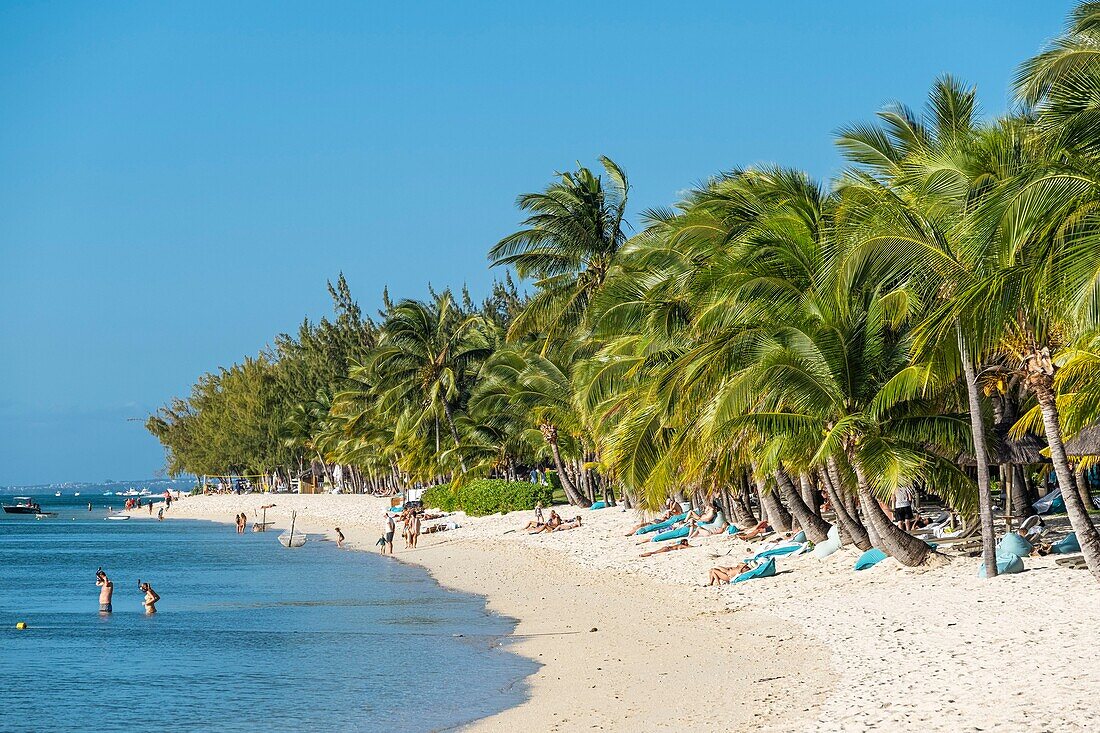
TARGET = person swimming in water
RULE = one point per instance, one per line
(106, 590)
(151, 597)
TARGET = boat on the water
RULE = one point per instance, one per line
(26, 506)
(57, 493)
(41, 515)
(292, 539)
(119, 517)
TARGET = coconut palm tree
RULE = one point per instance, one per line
(574, 230)
(427, 356)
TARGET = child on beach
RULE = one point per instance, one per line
(339, 538)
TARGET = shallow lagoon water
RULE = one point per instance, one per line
(248, 636)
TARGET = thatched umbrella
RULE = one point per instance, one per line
(1085, 443)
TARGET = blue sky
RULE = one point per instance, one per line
(177, 181)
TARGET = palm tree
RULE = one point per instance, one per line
(426, 360)
(572, 235)
(538, 387)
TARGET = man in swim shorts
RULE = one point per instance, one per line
(106, 590)
(387, 534)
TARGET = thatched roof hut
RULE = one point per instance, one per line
(1004, 450)
(1085, 443)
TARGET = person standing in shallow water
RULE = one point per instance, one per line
(106, 591)
(339, 538)
(151, 598)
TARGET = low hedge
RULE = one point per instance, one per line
(483, 496)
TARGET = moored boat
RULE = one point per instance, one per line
(26, 506)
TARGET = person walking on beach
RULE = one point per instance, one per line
(388, 529)
(339, 538)
(106, 590)
(903, 508)
(151, 598)
(237, 522)
(150, 508)
(414, 528)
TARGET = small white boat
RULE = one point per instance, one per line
(119, 517)
(292, 539)
(107, 493)
(57, 493)
(77, 494)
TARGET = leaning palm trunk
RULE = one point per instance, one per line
(454, 432)
(810, 496)
(851, 530)
(550, 434)
(1041, 384)
(904, 547)
(816, 528)
(981, 458)
(778, 517)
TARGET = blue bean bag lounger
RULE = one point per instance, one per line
(870, 558)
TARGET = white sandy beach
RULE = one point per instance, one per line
(818, 647)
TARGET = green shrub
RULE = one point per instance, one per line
(483, 496)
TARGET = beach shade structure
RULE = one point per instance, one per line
(656, 526)
(1013, 544)
(1067, 545)
(1006, 565)
(830, 545)
(1085, 443)
(763, 570)
(598, 505)
(1052, 503)
(870, 558)
(1005, 450)
(673, 534)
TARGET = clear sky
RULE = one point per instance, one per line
(178, 180)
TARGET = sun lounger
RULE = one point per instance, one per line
(765, 569)
(1052, 503)
(1014, 544)
(870, 558)
(673, 534)
(784, 549)
(1006, 565)
(598, 505)
(1068, 545)
(658, 526)
(829, 546)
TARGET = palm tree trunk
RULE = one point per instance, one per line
(816, 528)
(1082, 485)
(851, 530)
(904, 547)
(550, 433)
(454, 432)
(1042, 385)
(1021, 497)
(741, 509)
(981, 457)
(778, 517)
(810, 495)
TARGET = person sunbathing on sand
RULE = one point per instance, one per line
(725, 575)
(717, 525)
(681, 545)
(756, 531)
(571, 524)
(551, 524)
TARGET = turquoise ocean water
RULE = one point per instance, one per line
(248, 636)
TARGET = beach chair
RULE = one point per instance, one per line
(1068, 545)
(1006, 565)
(870, 558)
(830, 545)
(793, 548)
(657, 526)
(765, 569)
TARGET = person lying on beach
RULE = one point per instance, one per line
(571, 524)
(760, 529)
(681, 545)
(725, 575)
(151, 598)
(706, 516)
(551, 524)
(717, 525)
